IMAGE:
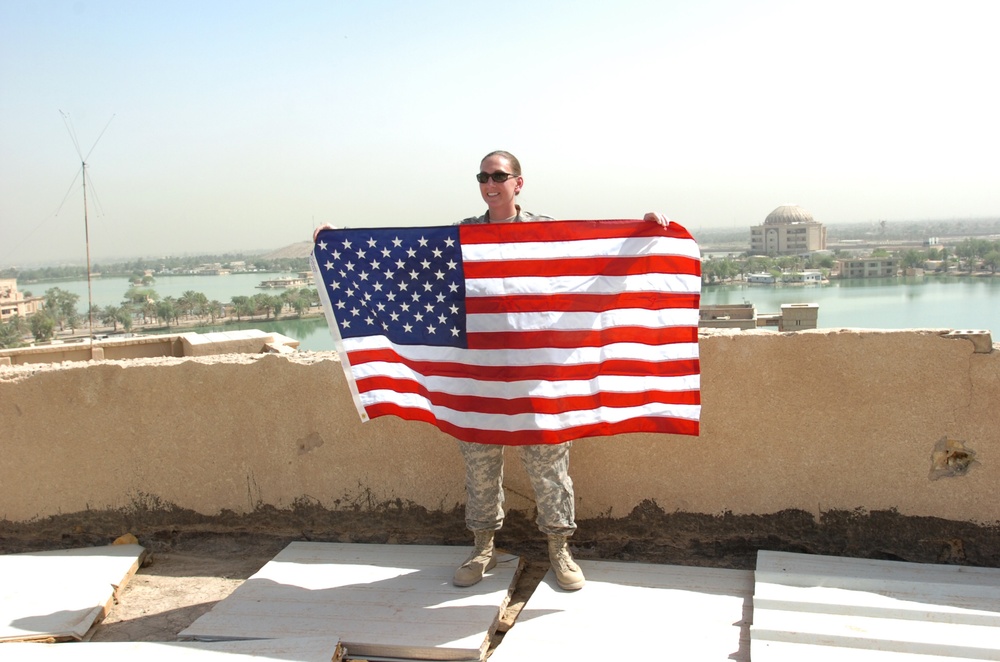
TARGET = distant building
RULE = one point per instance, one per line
(798, 316)
(13, 302)
(743, 316)
(869, 267)
(728, 316)
(807, 276)
(788, 230)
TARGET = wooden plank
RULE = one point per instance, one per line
(830, 600)
(971, 586)
(380, 600)
(851, 632)
(59, 594)
(636, 611)
(796, 652)
(315, 649)
(808, 605)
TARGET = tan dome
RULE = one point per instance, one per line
(788, 214)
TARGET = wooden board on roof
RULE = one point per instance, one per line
(58, 595)
(380, 600)
(303, 649)
(635, 611)
(811, 606)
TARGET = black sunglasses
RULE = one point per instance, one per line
(499, 176)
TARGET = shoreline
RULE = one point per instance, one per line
(883, 280)
(177, 327)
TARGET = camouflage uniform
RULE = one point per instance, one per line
(547, 466)
(548, 469)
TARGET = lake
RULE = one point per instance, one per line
(928, 302)
(111, 291)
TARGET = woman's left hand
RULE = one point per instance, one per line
(325, 226)
(658, 218)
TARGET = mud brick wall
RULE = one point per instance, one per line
(816, 421)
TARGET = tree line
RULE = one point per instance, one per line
(137, 268)
(141, 305)
(968, 255)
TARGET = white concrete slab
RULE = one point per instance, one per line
(60, 594)
(821, 607)
(315, 649)
(380, 600)
(635, 611)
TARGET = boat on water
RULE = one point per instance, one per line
(304, 279)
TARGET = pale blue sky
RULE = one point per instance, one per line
(241, 125)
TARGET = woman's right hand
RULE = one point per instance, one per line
(658, 218)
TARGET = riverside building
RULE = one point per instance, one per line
(788, 230)
(14, 303)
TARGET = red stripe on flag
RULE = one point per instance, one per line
(584, 266)
(513, 233)
(619, 367)
(568, 339)
(657, 424)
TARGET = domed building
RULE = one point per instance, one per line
(788, 230)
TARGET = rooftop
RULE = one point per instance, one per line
(832, 442)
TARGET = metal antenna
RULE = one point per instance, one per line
(86, 219)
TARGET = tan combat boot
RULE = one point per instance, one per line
(568, 573)
(481, 560)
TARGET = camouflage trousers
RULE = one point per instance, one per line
(548, 469)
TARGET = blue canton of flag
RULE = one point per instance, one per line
(404, 284)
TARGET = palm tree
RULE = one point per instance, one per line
(111, 315)
(186, 303)
(12, 332)
(166, 310)
(124, 317)
(262, 304)
(148, 311)
(216, 309)
(241, 306)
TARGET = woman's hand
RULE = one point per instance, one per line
(658, 218)
(325, 226)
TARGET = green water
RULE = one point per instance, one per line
(926, 303)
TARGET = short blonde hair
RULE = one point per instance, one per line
(515, 165)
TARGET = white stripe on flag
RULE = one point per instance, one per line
(533, 421)
(650, 282)
(553, 250)
(525, 357)
(576, 321)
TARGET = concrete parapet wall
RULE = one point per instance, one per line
(248, 341)
(816, 421)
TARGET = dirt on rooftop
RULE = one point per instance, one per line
(196, 560)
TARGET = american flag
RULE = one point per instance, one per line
(518, 333)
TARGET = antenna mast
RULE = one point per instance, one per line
(86, 219)
(86, 234)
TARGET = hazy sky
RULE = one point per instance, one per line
(243, 124)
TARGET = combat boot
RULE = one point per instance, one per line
(479, 562)
(568, 573)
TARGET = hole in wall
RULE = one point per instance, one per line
(951, 458)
